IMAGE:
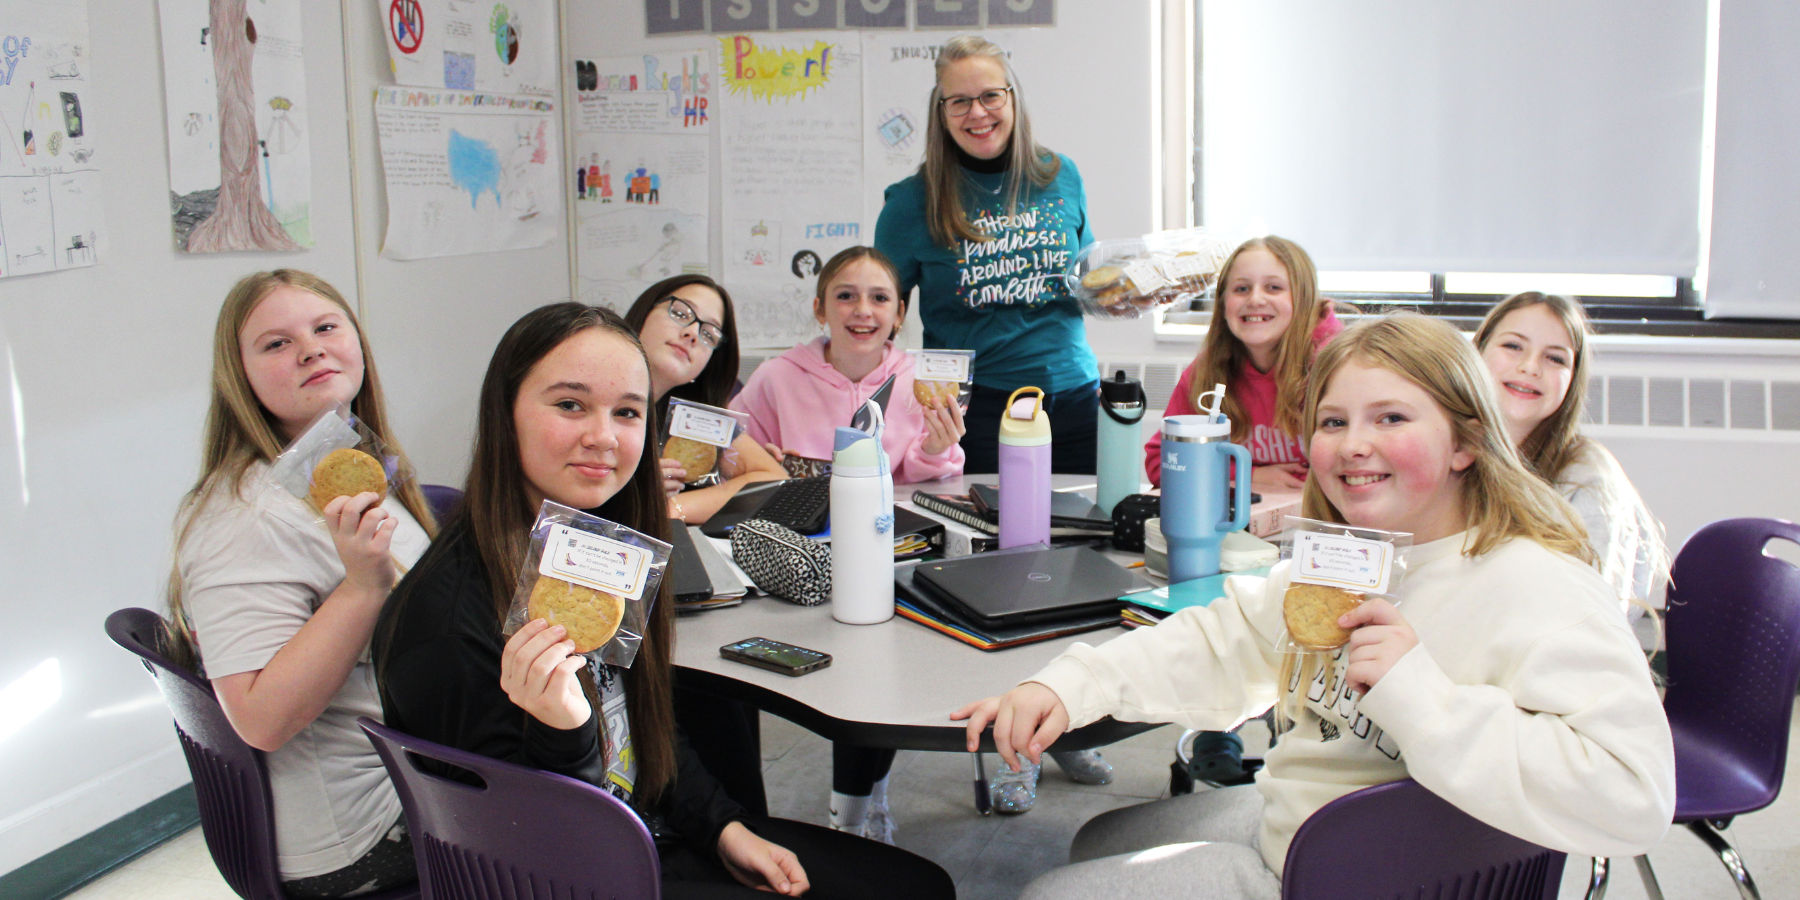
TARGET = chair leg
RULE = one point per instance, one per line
(1597, 879)
(1728, 856)
(1652, 888)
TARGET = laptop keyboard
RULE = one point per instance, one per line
(803, 504)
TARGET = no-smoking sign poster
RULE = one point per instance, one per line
(500, 46)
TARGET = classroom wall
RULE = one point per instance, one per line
(108, 370)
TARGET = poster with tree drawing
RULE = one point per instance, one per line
(240, 171)
(50, 210)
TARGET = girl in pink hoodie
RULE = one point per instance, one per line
(797, 400)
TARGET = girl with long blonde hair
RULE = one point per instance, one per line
(1536, 346)
(277, 608)
(1268, 321)
(1498, 675)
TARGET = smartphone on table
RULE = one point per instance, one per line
(775, 656)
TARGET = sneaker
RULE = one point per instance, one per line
(1012, 792)
(1084, 766)
(879, 826)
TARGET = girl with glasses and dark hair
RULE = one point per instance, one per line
(956, 229)
(689, 332)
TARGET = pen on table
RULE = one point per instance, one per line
(1135, 564)
(983, 804)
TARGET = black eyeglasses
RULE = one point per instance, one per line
(992, 100)
(683, 313)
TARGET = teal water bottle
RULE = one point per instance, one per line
(1119, 462)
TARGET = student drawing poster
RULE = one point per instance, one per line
(641, 211)
(792, 155)
(468, 172)
(494, 46)
(651, 93)
(50, 216)
(240, 166)
(900, 69)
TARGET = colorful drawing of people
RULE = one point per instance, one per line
(655, 186)
(640, 186)
(581, 181)
(604, 175)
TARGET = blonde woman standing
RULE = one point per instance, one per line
(277, 608)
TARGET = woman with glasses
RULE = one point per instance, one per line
(690, 336)
(985, 229)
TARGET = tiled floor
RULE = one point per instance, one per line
(996, 856)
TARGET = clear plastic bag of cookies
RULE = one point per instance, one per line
(1333, 568)
(940, 375)
(596, 578)
(337, 456)
(1124, 279)
(1190, 260)
(699, 437)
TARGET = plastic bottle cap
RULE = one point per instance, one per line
(853, 449)
(1195, 427)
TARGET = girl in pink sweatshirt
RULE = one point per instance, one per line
(797, 400)
(1266, 326)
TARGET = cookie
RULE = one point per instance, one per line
(1311, 612)
(346, 473)
(1102, 277)
(697, 459)
(925, 391)
(591, 617)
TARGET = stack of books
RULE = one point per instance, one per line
(1072, 516)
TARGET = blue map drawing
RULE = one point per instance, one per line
(474, 167)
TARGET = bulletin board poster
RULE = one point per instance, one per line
(899, 72)
(791, 136)
(468, 172)
(50, 215)
(507, 47)
(642, 172)
(234, 92)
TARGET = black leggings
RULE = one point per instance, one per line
(1074, 419)
(727, 736)
(837, 865)
(854, 770)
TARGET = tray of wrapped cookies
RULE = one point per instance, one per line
(1126, 278)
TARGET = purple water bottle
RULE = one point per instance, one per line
(1024, 471)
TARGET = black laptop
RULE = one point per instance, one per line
(686, 570)
(803, 504)
(1005, 590)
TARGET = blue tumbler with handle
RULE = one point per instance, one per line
(1197, 456)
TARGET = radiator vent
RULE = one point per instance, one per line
(1722, 403)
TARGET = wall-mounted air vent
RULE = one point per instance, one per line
(1694, 403)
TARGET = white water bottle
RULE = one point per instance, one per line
(862, 527)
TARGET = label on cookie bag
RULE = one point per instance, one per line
(597, 562)
(1335, 560)
(703, 425)
(929, 366)
(1145, 275)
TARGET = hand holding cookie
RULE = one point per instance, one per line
(697, 460)
(346, 473)
(537, 671)
(943, 428)
(1311, 613)
(363, 533)
(1379, 637)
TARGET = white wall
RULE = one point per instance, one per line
(112, 366)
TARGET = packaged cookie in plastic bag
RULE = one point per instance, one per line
(699, 437)
(1333, 568)
(1123, 279)
(337, 456)
(942, 374)
(595, 578)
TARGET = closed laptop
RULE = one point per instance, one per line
(1016, 589)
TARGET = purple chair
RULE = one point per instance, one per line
(443, 500)
(1733, 625)
(231, 779)
(1422, 847)
(522, 833)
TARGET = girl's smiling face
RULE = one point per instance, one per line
(580, 420)
(1532, 358)
(860, 308)
(1258, 302)
(678, 353)
(301, 356)
(1385, 454)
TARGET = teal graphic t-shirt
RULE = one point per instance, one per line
(1003, 298)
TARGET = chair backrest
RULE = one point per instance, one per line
(522, 833)
(1733, 623)
(231, 781)
(1400, 840)
(443, 500)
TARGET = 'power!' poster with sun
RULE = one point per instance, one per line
(497, 46)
